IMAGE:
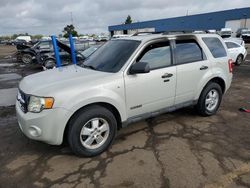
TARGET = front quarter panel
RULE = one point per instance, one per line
(111, 93)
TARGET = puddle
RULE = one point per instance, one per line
(11, 76)
(8, 96)
(7, 64)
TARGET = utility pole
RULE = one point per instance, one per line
(71, 18)
(245, 16)
(187, 13)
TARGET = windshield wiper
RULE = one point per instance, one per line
(89, 67)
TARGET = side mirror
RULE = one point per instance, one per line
(139, 68)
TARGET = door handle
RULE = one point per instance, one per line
(167, 75)
(204, 67)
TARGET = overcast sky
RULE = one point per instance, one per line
(94, 16)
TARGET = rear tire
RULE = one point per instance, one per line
(239, 60)
(91, 131)
(49, 64)
(210, 99)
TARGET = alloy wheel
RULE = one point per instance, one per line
(94, 133)
(212, 100)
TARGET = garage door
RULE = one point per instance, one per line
(233, 24)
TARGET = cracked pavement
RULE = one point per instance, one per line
(178, 149)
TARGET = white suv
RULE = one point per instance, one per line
(124, 81)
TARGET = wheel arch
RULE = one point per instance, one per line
(109, 106)
(49, 58)
(218, 80)
(28, 52)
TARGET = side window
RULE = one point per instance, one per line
(187, 51)
(215, 46)
(44, 45)
(232, 45)
(157, 55)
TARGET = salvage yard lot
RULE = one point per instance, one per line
(178, 149)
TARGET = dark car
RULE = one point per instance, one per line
(48, 60)
(246, 35)
(240, 31)
(27, 54)
(31, 54)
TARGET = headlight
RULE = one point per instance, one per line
(37, 104)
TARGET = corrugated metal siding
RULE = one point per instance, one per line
(213, 20)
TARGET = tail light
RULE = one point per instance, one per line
(230, 65)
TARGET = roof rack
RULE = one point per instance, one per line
(176, 32)
(170, 32)
(145, 33)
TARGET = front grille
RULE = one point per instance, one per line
(23, 100)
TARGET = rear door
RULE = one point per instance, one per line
(192, 65)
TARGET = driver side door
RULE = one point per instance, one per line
(150, 92)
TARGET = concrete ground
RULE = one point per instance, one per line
(178, 149)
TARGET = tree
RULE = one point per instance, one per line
(69, 29)
(38, 36)
(128, 20)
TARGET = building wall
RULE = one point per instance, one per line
(236, 24)
(214, 20)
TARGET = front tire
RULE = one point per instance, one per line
(26, 58)
(210, 99)
(91, 131)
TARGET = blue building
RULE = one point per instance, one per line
(234, 19)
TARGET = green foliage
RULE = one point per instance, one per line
(13, 37)
(37, 36)
(69, 29)
(128, 20)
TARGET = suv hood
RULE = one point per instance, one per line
(58, 79)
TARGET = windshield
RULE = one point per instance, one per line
(245, 32)
(86, 53)
(226, 33)
(112, 55)
(35, 45)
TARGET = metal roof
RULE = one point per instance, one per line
(213, 20)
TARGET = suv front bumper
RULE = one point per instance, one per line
(47, 126)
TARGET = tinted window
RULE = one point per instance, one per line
(232, 45)
(188, 51)
(157, 55)
(215, 46)
(44, 45)
(112, 55)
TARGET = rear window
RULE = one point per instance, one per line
(232, 45)
(215, 46)
(188, 51)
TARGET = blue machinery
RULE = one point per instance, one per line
(57, 56)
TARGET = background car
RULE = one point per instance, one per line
(226, 32)
(28, 54)
(48, 60)
(240, 31)
(236, 51)
(245, 35)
